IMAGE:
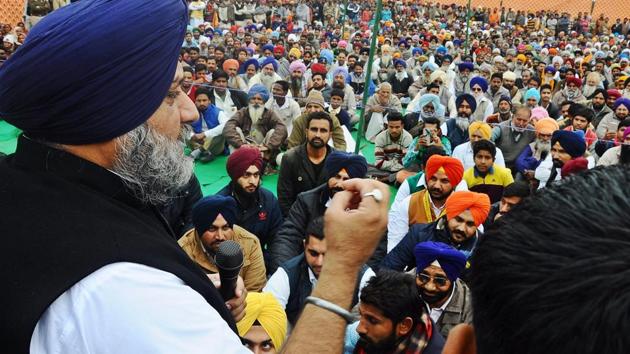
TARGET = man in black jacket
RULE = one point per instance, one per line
(228, 100)
(178, 212)
(340, 167)
(302, 167)
(258, 210)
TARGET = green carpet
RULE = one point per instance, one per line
(212, 176)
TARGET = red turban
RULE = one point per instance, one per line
(477, 203)
(319, 68)
(574, 80)
(240, 160)
(452, 167)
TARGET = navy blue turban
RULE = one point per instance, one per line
(400, 62)
(465, 65)
(478, 80)
(451, 260)
(207, 209)
(268, 47)
(472, 102)
(93, 70)
(355, 165)
(571, 141)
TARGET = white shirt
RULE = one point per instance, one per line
(464, 153)
(288, 112)
(132, 308)
(435, 313)
(225, 104)
(218, 130)
(278, 284)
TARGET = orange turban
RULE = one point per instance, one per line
(230, 64)
(477, 203)
(546, 126)
(450, 165)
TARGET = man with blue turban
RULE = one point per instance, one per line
(339, 167)
(478, 88)
(214, 220)
(438, 268)
(101, 152)
(401, 81)
(457, 129)
(267, 75)
(257, 126)
(465, 69)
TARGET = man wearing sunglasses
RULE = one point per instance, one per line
(438, 267)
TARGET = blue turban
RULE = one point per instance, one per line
(417, 50)
(327, 54)
(447, 57)
(76, 80)
(451, 260)
(478, 80)
(251, 61)
(532, 93)
(572, 142)
(472, 102)
(465, 65)
(267, 47)
(440, 50)
(272, 61)
(622, 101)
(341, 70)
(435, 102)
(206, 210)
(400, 62)
(355, 165)
(429, 65)
(258, 89)
(550, 69)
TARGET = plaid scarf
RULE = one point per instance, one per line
(414, 343)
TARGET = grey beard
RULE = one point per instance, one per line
(463, 123)
(152, 165)
(255, 112)
(541, 148)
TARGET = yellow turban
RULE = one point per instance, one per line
(295, 52)
(521, 57)
(264, 308)
(486, 130)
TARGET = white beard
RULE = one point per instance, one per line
(255, 112)
(267, 80)
(386, 60)
(588, 90)
(401, 75)
(541, 148)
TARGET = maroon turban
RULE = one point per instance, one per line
(241, 159)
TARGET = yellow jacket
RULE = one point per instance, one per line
(253, 271)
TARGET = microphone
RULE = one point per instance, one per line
(229, 260)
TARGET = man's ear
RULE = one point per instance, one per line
(404, 327)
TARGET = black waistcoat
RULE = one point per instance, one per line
(61, 219)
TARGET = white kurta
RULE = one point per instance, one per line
(132, 308)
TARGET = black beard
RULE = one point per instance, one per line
(434, 299)
(244, 198)
(306, 61)
(338, 85)
(384, 346)
(316, 143)
(597, 107)
(557, 163)
(624, 157)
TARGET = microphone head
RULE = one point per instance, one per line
(229, 256)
